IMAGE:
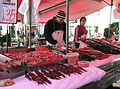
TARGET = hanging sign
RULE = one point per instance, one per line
(0, 10)
(8, 11)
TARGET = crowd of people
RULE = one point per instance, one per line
(55, 32)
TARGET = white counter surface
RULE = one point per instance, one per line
(70, 82)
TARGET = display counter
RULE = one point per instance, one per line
(105, 68)
(98, 63)
(70, 82)
(111, 66)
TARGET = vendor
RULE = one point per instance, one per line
(55, 29)
(108, 32)
(80, 32)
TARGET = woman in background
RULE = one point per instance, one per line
(80, 32)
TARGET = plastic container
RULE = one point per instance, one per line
(83, 63)
(72, 58)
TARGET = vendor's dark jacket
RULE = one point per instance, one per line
(52, 26)
(108, 33)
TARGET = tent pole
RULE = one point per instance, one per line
(111, 11)
(110, 16)
(67, 24)
(30, 23)
(111, 5)
(22, 30)
(7, 40)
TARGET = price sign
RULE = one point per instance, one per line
(0, 10)
(8, 11)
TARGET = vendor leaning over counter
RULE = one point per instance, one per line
(55, 29)
(109, 34)
(80, 32)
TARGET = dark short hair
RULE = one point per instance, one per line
(112, 25)
(82, 18)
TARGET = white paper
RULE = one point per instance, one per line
(23, 7)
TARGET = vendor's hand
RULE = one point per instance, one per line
(59, 44)
(83, 36)
(113, 37)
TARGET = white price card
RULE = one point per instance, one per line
(8, 11)
(0, 10)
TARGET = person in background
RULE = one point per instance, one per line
(19, 37)
(80, 32)
(32, 37)
(27, 38)
(108, 32)
(3, 39)
(55, 29)
(94, 34)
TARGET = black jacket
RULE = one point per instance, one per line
(108, 33)
(52, 26)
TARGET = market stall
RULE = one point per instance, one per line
(112, 75)
(109, 64)
(94, 73)
(32, 58)
(22, 81)
(110, 59)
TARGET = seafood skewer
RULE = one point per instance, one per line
(43, 77)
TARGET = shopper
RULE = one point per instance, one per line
(55, 29)
(80, 32)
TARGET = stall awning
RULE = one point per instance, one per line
(77, 8)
